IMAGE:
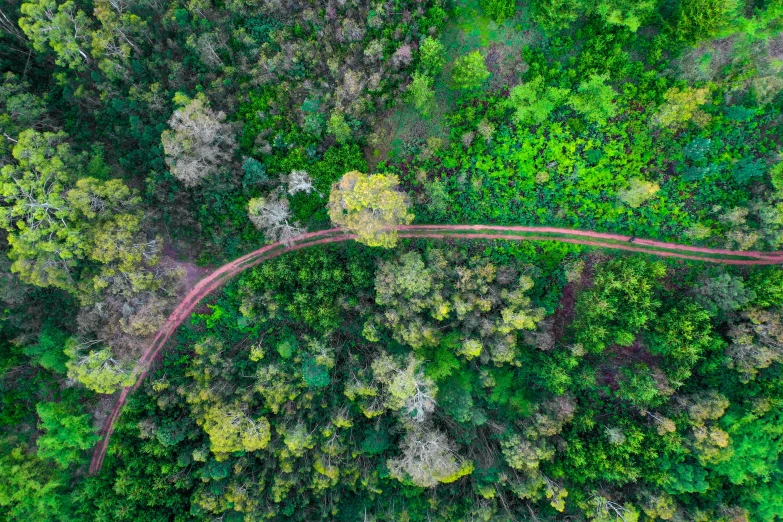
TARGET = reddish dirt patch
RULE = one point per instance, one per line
(628, 355)
(564, 314)
(623, 356)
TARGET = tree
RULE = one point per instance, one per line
(469, 71)
(499, 10)
(58, 224)
(489, 304)
(198, 141)
(64, 28)
(637, 192)
(29, 489)
(271, 214)
(338, 127)
(556, 14)
(594, 100)
(533, 102)
(724, 293)
(98, 369)
(370, 207)
(231, 430)
(406, 385)
(19, 110)
(427, 459)
(299, 181)
(65, 435)
(421, 94)
(756, 342)
(45, 242)
(701, 19)
(620, 304)
(681, 106)
(630, 14)
(432, 56)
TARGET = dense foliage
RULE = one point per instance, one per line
(144, 142)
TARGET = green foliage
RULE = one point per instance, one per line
(701, 19)
(594, 100)
(98, 369)
(29, 489)
(49, 351)
(533, 102)
(370, 207)
(338, 127)
(431, 56)
(620, 304)
(421, 94)
(556, 14)
(314, 374)
(469, 71)
(455, 397)
(499, 10)
(65, 435)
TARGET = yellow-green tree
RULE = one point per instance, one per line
(370, 207)
(682, 106)
(232, 430)
(96, 367)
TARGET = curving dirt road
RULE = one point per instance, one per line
(518, 233)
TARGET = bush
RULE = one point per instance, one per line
(469, 71)
(499, 10)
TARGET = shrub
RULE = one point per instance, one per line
(469, 71)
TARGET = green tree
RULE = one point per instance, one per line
(637, 192)
(232, 430)
(55, 221)
(499, 10)
(65, 435)
(554, 15)
(64, 28)
(595, 100)
(421, 94)
(45, 240)
(533, 102)
(681, 106)
(701, 19)
(724, 293)
(48, 351)
(98, 369)
(620, 304)
(29, 488)
(19, 110)
(625, 13)
(432, 56)
(469, 71)
(370, 207)
(338, 127)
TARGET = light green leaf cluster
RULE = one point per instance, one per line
(533, 102)
(469, 71)
(65, 435)
(98, 369)
(370, 207)
(232, 430)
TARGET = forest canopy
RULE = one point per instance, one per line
(146, 144)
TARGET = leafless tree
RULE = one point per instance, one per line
(198, 142)
(272, 215)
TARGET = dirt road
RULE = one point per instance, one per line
(583, 237)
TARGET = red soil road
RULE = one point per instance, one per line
(583, 237)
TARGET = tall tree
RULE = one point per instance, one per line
(370, 207)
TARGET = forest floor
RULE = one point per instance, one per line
(218, 277)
